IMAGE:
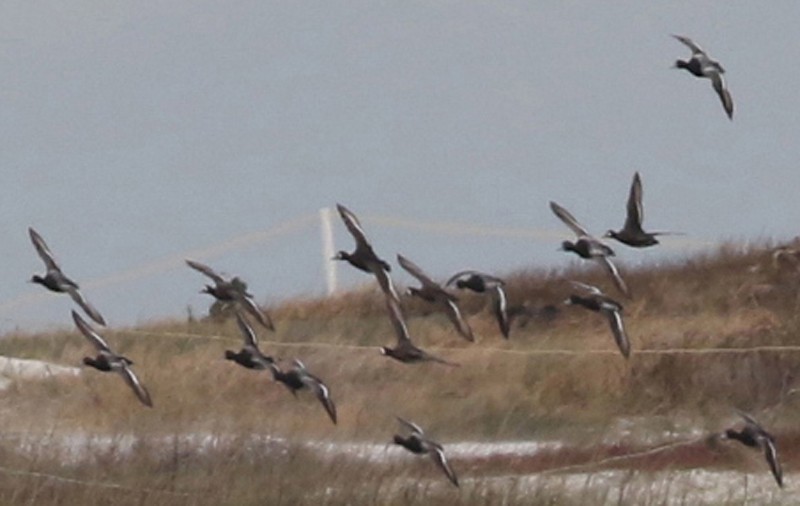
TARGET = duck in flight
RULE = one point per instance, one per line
(482, 283)
(108, 361)
(298, 378)
(632, 232)
(755, 436)
(595, 300)
(231, 291)
(250, 355)
(416, 442)
(589, 247)
(432, 292)
(701, 65)
(405, 351)
(56, 281)
(364, 257)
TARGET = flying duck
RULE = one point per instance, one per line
(701, 65)
(417, 443)
(249, 356)
(632, 232)
(55, 280)
(404, 350)
(298, 378)
(232, 291)
(364, 257)
(755, 436)
(481, 283)
(108, 361)
(596, 300)
(589, 247)
(433, 292)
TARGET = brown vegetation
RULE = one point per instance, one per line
(708, 335)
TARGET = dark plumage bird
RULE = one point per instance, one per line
(596, 300)
(589, 247)
(755, 436)
(231, 291)
(433, 292)
(108, 361)
(364, 257)
(417, 443)
(55, 280)
(298, 378)
(404, 350)
(701, 65)
(632, 232)
(482, 283)
(249, 356)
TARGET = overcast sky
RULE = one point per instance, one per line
(135, 134)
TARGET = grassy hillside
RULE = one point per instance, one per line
(708, 334)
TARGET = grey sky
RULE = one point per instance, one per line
(132, 133)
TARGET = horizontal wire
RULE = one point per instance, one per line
(92, 483)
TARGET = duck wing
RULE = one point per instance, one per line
(437, 454)
(90, 310)
(322, 392)
(398, 321)
(384, 281)
(247, 331)
(635, 211)
(208, 271)
(418, 273)
(354, 227)
(690, 44)
(252, 308)
(615, 275)
(413, 427)
(454, 314)
(43, 251)
(137, 387)
(587, 287)
(97, 341)
(568, 220)
(618, 329)
(722, 91)
(500, 308)
(771, 454)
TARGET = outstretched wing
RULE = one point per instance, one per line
(461, 325)
(718, 83)
(615, 275)
(323, 394)
(417, 272)
(353, 226)
(90, 310)
(690, 44)
(43, 251)
(437, 454)
(398, 321)
(635, 215)
(136, 385)
(500, 308)
(98, 342)
(771, 454)
(251, 307)
(249, 335)
(208, 271)
(588, 288)
(618, 329)
(413, 427)
(568, 219)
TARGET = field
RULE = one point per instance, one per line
(552, 416)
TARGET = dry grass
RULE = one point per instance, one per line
(517, 389)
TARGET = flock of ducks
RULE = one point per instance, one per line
(234, 292)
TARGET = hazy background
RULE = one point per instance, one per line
(134, 135)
